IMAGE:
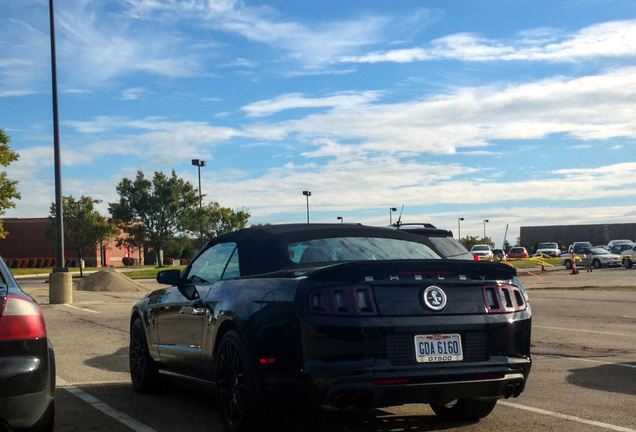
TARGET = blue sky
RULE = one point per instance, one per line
(519, 112)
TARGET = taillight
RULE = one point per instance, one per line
(501, 297)
(476, 257)
(343, 300)
(21, 319)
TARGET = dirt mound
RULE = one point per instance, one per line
(109, 280)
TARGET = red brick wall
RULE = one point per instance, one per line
(27, 239)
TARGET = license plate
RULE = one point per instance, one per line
(438, 348)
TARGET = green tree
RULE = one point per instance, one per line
(8, 188)
(214, 220)
(162, 205)
(181, 246)
(507, 246)
(84, 227)
(137, 237)
(470, 241)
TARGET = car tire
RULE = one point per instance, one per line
(464, 409)
(568, 264)
(143, 370)
(597, 264)
(238, 394)
(628, 263)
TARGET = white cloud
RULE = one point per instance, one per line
(611, 39)
(587, 108)
(290, 101)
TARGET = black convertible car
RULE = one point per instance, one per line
(335, 315)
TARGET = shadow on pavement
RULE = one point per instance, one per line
(609, 378)
(190, 407)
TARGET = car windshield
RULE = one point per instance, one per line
(548, 246)
(481, 248)
(516, 250)
(357, 249)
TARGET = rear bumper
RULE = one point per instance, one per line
(27, 382)
(402, 387)
(341, 386)
(24, 411)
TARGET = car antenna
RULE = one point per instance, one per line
(399, 221)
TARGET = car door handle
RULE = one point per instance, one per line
(196, 308)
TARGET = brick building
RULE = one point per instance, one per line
(28, 238)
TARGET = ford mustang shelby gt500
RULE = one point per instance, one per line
(335, 315)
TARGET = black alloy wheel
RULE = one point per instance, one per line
(237, 394)
(597, 264)
(143, 371)
(464, 409)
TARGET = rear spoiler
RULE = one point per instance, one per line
(357, 271)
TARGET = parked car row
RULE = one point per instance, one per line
(591, 257)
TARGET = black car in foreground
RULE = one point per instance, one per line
(337, 315)
(27, 363)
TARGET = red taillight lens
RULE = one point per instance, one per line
(21, 319)
(343, 300)
(503, 298)
(476, 257)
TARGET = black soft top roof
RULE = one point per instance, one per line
(263, 249)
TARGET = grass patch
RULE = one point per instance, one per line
(135, 272)
(529, 262)
(148, 272)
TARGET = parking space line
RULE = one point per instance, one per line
(567, 417)
(603, 362)
(585, 331)
(79, 308)
(101, 406)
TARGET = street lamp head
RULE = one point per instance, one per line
(340, 219)
(393, 208)
(461, 219)
(307, 193)
(198, 162)
(486, 220)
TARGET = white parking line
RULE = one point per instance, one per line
(101, 406)
(602, 362)
(585, 331)
(567, 417)
(79, 308)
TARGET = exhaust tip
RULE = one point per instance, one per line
(509, 391)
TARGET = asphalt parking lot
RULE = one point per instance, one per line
(583, 376)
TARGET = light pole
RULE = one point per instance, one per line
(199, 163)
(391, 210)
(307, 194)
(60, 284)
(485, 220)
(340, 219)
(459, 229)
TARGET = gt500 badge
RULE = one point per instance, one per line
(434, 298)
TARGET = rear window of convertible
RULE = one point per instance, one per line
(357, 249)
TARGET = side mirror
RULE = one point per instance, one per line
(169, 277)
